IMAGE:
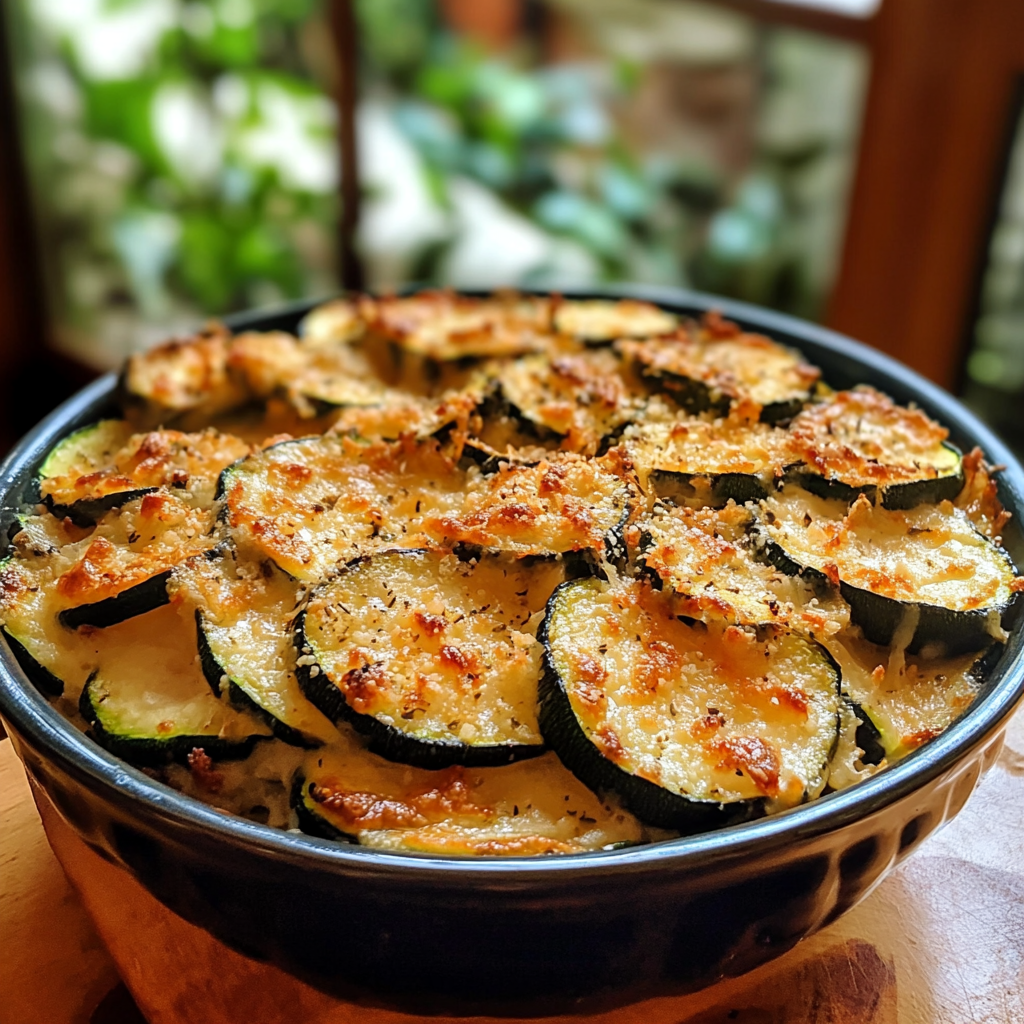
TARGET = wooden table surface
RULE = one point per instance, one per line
(940, 941)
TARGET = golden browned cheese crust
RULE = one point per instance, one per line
(863, 437)
(391, 495)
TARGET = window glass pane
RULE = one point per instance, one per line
(995, 366)
(580, 141)
(182, 156)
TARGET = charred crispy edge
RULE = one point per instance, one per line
(88, 511)
(959, 632)
(387, 741)
(895, 497)
(868, 736)
(310, 820)
(40, 676)
(239, 697)
(648, 801)
(153, 751)
(740, 487)
(696, 396)
(143, 597)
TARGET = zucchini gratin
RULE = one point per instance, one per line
(505, 576)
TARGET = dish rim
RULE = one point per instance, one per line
(42, 724)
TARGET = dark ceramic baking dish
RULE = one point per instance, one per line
(517, 935)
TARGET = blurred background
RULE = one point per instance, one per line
(855, 162)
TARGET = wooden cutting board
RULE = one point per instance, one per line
(941, 941)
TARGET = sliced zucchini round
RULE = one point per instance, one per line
(580, 398)
(408, 416)
(429, 656)
(708, 559)
(337, 322)
(904, 700)
(148, 702)
(861, 442)
(602, 321)
(80, 455)
(105, 465)
(316, 379)
(316, 503)
(708, 462)
(443, 327)
(563, 504)
(182, 382)
(531, 807)
(121, 569)
(49, 654)
(924, 572)
(245, 617)
(709, 374)
(695, 726)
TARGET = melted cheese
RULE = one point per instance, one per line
(311, 505)
(708, 560)
(248, 612)
(864, 439)
(910, 699)
(109, 459)
(581, 396)
(148, 683)
(700, 447)
(187, 376)
(927, 555)
(559, 505)
(709, 712)
(747, 369)
(533, 807)
(599, 320)
(441, 649)
(444, 326)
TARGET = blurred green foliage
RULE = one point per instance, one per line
(195, 173)
(183, 156)
(545, 140)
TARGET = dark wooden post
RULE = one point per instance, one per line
(932, 156)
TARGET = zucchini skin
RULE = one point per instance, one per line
(90, 511)
(394, 744)
(868, 736)
(959, 632)
(40, 676)
(696, 397)
(648, 801)
(151, 752)
(739, 487)
(310, 822)
(137, 600)
(238, 698)
(896, 497)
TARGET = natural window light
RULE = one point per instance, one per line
(852, 8)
